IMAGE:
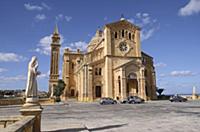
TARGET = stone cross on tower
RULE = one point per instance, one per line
(54, 64)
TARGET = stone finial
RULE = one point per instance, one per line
(56, 37)
(99, 32)
(56, 30)
(122, 17)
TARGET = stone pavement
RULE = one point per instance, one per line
(154, 116)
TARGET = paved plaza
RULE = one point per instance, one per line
(155, 116)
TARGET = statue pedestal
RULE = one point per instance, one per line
(33, 109)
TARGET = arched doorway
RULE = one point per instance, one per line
(132, 85)
(98, 91)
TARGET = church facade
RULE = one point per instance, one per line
(113, 65)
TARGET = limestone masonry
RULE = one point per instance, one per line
(113, 65)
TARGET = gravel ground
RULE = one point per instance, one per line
(155, 116)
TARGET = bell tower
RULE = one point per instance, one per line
(54, 64)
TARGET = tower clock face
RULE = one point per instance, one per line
(123, 47)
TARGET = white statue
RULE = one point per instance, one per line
(31, 86)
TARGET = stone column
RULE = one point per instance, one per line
(85, 83)
(142, 84)
(90, 85)
(108, 78)
(154, 95)
(123, 85)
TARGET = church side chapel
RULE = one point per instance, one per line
(113, 65)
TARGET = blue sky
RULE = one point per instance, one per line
(170, 33)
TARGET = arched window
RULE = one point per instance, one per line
(99, 71)
(122, 33)
(129, 36)
(96, 71)
(115, 34)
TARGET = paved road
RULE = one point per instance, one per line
(155, 116)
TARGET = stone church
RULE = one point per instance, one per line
(113, 65)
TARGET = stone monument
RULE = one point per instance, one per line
(32, 106)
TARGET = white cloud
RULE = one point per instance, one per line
(46, 6)
(44, 75)
(131, 20)
(193, 7)
(40, 17)
(68, 18)
(44, 44)
(4, 79)
(105, 18)
(162, 75)
(82, 45)
(146, 34)
(2, 70)
(30, 7)
(160, 64)
(145, 14)
(61, 17)
(11, 57)
(147, 23)
(182, 73)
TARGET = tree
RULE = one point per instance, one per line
(159, 90)
(58, 89)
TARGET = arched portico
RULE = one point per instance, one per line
(132, 84)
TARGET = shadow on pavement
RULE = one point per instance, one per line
(85, 129)
(106, 127)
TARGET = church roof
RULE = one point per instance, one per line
(122, 21)
(145, 54)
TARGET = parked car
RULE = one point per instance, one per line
(177, 98)
(132, 100)
(107, 100)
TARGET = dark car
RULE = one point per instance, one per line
(133, 100)
(107, 100)
(177, 98)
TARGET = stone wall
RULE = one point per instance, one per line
(20, 101)
(12, 101)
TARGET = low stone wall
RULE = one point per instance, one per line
(12, 101)
(17, 124)
(20, 101)
(46, 101)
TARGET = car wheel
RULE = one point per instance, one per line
(133, 102)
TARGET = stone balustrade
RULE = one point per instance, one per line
(17, 124)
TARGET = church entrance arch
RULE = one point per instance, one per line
(132, 85)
